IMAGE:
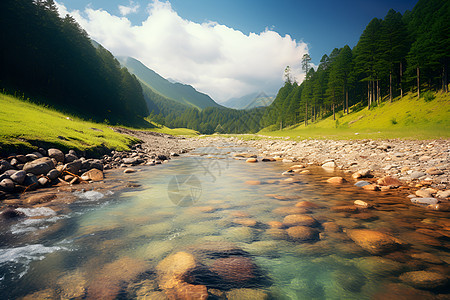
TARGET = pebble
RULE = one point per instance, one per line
(424, 201)
(129, 170)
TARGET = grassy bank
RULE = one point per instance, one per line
(407, 118)
(25, 126)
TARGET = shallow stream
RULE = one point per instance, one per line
(109, 244)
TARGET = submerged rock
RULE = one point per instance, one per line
(295, 220)
(427, 201)
(424, 279)
(246, 294)
(374, 241)
(234, 269)
(302, 233)
(336, 180)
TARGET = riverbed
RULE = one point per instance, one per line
(228, 222)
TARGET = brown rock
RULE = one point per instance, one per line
(277, 233)
(374, 241)
(234, 269)
(336, 180)
(289, 210)
(371, 187)
(108, 282)
(253, 182)
(388, 180)
(129, 170)
(40, 198)
(93, 174)
(186, 291)
(331, 227)
(361, 203)
(245, 222)
(275, 224)
(302, 233)
(425, 193)
(295, 220)
(247, 294)
(424, 279)
(396, 291)
(239, 214)
(344, 208)
(306, 204)
(251, 160)
(174, 268)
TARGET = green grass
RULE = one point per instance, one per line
(407, 118)
(26, 126)
(173, 131)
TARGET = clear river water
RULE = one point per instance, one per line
(108, 243)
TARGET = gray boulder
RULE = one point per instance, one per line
(19, 176)
(53, 174)
(89, 164)
(39, 166)
(56, 154)
(7, 185)
(4, 166)
(70, 158)
(73, 167)
(31, 181)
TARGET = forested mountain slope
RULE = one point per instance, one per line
(52, 60)
(394, 55)
(182, 93)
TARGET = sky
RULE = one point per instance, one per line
(227, 48)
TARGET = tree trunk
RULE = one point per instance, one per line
(444, 78)
(368, 94)
(418, 83)
(306, 112)
(390, 86)
(401, 80)
(346, 100)
(378, 92)
(334, 116)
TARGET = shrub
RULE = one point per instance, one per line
(428, 96)
(394, 121)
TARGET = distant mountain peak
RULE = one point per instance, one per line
(249, 101)
(171, 89)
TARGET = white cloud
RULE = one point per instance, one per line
(126, 10)
(215, 59)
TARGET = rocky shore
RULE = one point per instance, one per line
(422, 166)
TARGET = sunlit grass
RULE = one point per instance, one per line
(24, 125)
(407, 118)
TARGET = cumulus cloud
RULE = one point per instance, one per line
(126, 10)
(215, 59)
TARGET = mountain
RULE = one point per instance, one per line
(181, 93)
(249, 101)
(52, 61)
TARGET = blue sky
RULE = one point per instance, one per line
(312, 26)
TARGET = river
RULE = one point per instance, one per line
(220, 210)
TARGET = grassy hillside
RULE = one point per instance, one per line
(408, 118)
(25, 126)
